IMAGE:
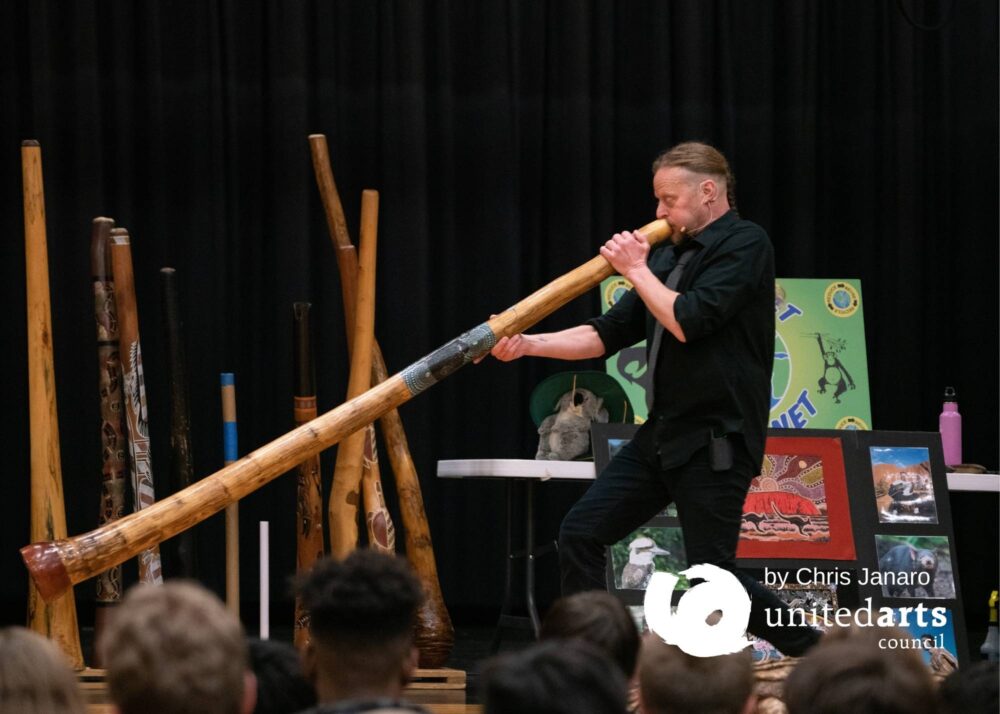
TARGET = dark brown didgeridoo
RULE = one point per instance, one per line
(309, 546)
(181, 453)
(56, 619)
(114, 461)
(55, 566)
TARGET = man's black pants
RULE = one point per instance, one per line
(634, 488)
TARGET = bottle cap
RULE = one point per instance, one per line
(949, 394)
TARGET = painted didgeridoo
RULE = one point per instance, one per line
(134, 382)
(309, 546)
(114, 459)
(55, 566)
(56, 619)
(435, 635)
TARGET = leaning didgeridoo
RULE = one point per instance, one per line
(55, 566)
(56, 619)
(435, 635)
(357, 472)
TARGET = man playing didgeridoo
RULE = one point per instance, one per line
(705, 306)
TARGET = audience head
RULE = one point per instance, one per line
(553, 677)
(281, 686)
(173, 649)
(35, 676)
(674, 682)
(851, 671)
(362, 611)
(599, 618)
(972, 690)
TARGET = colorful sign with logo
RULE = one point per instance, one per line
(820, 376)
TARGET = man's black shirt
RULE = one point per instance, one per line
(719, 380)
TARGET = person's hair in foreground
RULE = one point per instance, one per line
(362, 612)
(674, 682)
(851, 670)
(972, 690)
(553, 677)
(173, 649)
(35, 676)
(281, 686)
(599, 618)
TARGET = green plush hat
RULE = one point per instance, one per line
(546, 395)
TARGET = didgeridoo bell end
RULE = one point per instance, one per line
(47, 568)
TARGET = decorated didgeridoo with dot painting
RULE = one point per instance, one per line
(114, 461)
(134, 385)
(55, 566)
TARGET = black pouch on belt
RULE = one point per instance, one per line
(720, 453)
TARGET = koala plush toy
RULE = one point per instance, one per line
(565, 435)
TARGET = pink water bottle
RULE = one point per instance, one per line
(950, 425)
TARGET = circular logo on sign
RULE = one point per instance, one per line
(614, 290)
(841, 299)
(781, 374)
(852, 423)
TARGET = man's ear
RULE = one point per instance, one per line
(249, 692)
(709, 190)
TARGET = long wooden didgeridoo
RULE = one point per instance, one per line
(57, 565)
(181, 454)
(345, 490)
(136, 418)
(435, 635)
(378, 522)
(309, 546)
(114, 470)
(56, 619)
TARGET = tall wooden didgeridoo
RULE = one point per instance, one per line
(381, 531)
(114, 470)
(435, 634)
(181, 453)
(134, 382)
(56, 619)
(57, 565)
(309, 545)
(352, 459)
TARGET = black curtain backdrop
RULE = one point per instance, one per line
(508, 139)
